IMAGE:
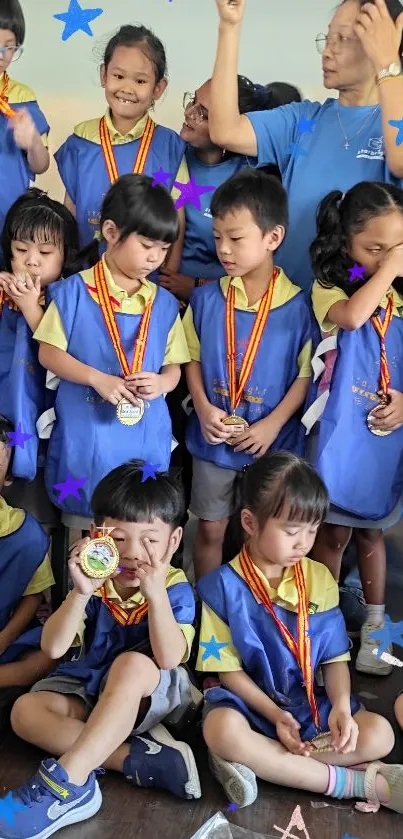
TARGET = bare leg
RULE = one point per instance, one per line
(27, 670)
(399, 710)
(372, 564)
(208, 546)
(329, 547)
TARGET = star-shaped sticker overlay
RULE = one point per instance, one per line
(388, 634)
(212, 648)
(9, 807)
(70, 486)
(397, 123)
(190, 193)
(347, 836)
(305, 126)
(17, 438)
(161, 177)
(150, 470)
(77, 19)
(356, 272)
(296, 150)
(232, 807)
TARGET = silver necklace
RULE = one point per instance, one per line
(349, 140)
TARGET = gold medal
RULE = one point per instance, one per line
(379, 432)
(234, 420)
(129, 414)
(322, 743)
(100, 558)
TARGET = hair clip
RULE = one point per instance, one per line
(149, 470)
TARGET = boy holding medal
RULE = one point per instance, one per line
(132, 631)
(249, 383)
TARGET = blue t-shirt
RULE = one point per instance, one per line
(319, 164)
(199, 257)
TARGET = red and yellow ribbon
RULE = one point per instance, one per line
(381, 330)
(109, 154)
(112, 327)
(124, 617)
(5, 108)
(301, 649)
(236, 391)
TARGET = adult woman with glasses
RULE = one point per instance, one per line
(320, 147)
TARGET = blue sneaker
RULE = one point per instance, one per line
(47, 803)
(157, 760)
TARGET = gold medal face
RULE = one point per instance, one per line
(322, 743)
(377, 431)
(129, 414)
(100, 558)
(234, 420)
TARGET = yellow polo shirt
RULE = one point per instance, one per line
(51, 331)
(284, 290)
(11, 519)
(324, 298)
(19, 93)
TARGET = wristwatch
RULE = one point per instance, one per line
(394, 69)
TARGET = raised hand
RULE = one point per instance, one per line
(231, 12)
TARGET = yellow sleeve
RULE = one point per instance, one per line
(45, 139)
(176, 351)
(50, 329)
(304, 361)
(191, 335)
(217, 652)
(42, 579)
(322, 300)
(182, 176)
(189, 633)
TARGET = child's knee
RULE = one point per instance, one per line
(399, 710)
(131, 665)
(212, 532)
(23, 713)
(370, 536)
(335, 537)
(221, 728)
(376, 737)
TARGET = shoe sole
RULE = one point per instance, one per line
(239, 788)
(192, 786)
(384, 670)
(81, 814)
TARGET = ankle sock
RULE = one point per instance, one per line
(346, 783)
(375, 614)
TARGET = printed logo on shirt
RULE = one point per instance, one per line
(375, 149)
(207, 213)
(312, 608)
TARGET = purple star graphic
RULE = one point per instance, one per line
(161, 177)
(17, 438)
(190, 193)
(356, 272)
(149, 471)
(232, 807)
(70, 486)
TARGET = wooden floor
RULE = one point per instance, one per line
(141, 814)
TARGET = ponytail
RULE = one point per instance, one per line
(329, 250)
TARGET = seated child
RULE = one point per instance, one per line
(270, 618)
(132, 633)
(249, 383)
(25, 574)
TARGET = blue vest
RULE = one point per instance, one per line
(265, 656)
(15, 174)
(363, 473)
(21, 554)
(105, 639)
(83, 171)
(87, 439)
(199, 256)
(288, 329)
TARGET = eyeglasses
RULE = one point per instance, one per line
(338, 43)
(11, 53)
(199, 113)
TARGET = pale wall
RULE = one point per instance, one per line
(277, 45)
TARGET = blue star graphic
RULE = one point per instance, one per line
(77, 19)
(296, 150)
(305, 126)
(347, 836)
(69, 487)
(9, 807)
(388, 634)
(232, 807)
(397, 123)
(161, 177)
(17, 438)
(190, 193)
(149, 471)
(212, 648)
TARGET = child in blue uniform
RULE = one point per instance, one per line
(25, 574)
(356, 443)
(23, 135)
(116, 342)
(133, 631)
(255, 374)
(126, 139)
(270, 618)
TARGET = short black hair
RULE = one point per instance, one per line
(136, 206)
(6, 427)
(12, 18)
(145, 40)
(281, 93)
(35, 216)
(122, 495)
(263, 195)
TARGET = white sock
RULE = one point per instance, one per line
(375, 614)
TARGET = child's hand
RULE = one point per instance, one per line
(146, 385)
(82, 584)
(22, 290)
(179, 284)
(257, 439)
(3, 643)
(112, 388)
(344, 730)
(231, 11)
(212, 427)
(25, 131)
(152, 573)
(288, 733)
(389, 417)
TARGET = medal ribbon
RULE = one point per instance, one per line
(381, 330)
(124, 617)
(235, 392)
(109, 154)
(112, 327)
(5, 108)
(301, 649)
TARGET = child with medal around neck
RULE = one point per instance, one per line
(249, 383)
(270, 619)
(357, 443)
(105, 706)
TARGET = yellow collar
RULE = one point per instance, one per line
(134, 134)
(135, 599)
(284, 291)
(146, 291)
(287, 591)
